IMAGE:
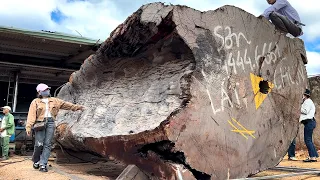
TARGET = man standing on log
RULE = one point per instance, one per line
(307, 118)
(284, 17)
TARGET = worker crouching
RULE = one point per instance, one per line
(41, 116)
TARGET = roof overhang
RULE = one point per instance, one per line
(48, 55)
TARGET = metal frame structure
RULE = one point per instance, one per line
(32, 57)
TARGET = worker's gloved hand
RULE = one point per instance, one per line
(28, 133)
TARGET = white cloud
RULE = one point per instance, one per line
(91, 19)
(97, 18)
(313, 66)
(26, 14)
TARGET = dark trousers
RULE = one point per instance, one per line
(292, 149)
(284, 24)
(309, 126)
(43, 142)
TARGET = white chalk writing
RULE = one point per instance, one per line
(239, 61)
(227, 41)
(285, 76)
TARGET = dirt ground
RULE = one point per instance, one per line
(20, 168)
(300, 155)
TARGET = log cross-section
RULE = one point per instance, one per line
(183, 93)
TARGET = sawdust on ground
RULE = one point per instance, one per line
(300, 155)
(20, 168)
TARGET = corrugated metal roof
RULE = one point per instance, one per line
(39, 55)
(57, 36)
(45, 45)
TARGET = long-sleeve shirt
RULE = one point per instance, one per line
(38, 110)
(7, 124)
(307, 110)
(4, 132)
(283, 7)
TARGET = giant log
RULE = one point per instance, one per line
(183, 93)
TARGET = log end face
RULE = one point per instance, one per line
(192, 91)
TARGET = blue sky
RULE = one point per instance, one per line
(97, 18)
(57, 16)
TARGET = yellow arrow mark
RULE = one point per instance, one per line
(258, 96)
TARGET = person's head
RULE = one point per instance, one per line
(6, 109)
(271, 1)
(307, 94)
(43, 90)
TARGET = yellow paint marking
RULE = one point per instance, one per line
(237, 129)
(258, 96)
(243, 131)
(243, 127)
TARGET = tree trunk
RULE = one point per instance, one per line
(177, 91)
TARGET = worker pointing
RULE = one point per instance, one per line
(41, 116)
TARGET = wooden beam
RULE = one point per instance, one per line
(33, 49)
(29, 55)
(80, 57)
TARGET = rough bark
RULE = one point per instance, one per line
(170, 86)
(314, 83)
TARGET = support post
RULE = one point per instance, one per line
(15, 94)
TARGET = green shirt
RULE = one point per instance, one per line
(8, 124)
